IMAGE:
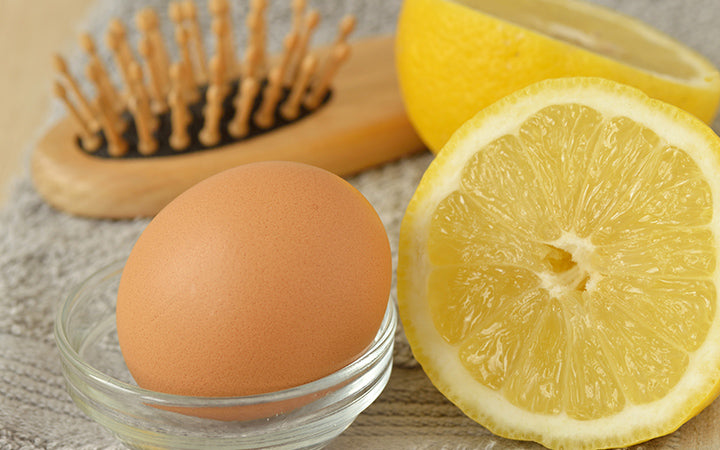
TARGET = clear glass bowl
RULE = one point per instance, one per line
(307, 416)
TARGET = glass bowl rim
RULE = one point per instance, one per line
(372, 353)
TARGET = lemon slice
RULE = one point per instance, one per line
(456, 57)
(557, 274)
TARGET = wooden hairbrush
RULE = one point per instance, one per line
(128, 152)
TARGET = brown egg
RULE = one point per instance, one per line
(263, 277)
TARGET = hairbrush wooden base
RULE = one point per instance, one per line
(362, 124)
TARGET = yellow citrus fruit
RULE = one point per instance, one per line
(558, 273)
(456, 57)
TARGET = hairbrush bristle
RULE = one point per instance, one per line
(198, 102)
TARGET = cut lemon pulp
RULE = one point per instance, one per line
(557, 275)
(454, 57)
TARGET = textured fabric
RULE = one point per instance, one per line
(43, 253)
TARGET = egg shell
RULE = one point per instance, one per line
(260, 278)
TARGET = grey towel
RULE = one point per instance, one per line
(44, 252)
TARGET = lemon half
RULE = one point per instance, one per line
(557, 274)
(456, 57)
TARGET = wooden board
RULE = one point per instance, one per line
(363, 125)
(29, 34)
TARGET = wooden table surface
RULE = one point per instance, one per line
(30, 32)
